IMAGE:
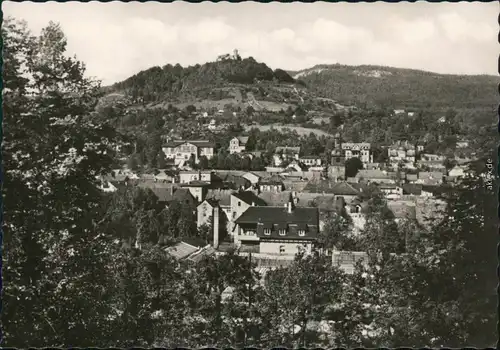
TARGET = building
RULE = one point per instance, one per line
(347, 260)
(182, 150)
(401, 152)
(252, 177)
(457, 171)
(189, 176)
(241, 201)
(426, 157)
(430, 178)
(273, 184)
(278, 230)
(198, 189)
(376, 176)
(205, 211)
(238, 144)
(311, 161)
(359, 150)
(343, 151)
(285, 154)
(390, 190)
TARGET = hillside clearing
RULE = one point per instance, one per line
(299, 129)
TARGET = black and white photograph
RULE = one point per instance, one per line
(249, 174)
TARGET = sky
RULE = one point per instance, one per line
(116, 40)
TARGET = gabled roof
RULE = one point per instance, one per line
(345, 189)
(243, 139)
(374, 174)
(211, 201)
(280, 215)
(249, 197)
(198, 256)
(414, 189)
(277, 218)
(181, 250)
(222, 196)
(197, 143)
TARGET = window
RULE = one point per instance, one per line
(282, 249)
(302, 232)
(239, 204)
(267, 231)
(282, 232)
(234, 214)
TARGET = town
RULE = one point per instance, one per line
(277, 212)
(201, 181)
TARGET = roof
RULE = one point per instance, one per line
(280, 215)
(411, 177)
(276, 218)
(243, 139)
(402, 210)
(374, 174)
(415, 189)
(196, 183)
(355, 145)
(249, 198)
(426, 175)
(181, 250)
(197, 143)
(163, 194)
(197, 257)
(273, 180)
(285, 149)
(223, 196)
(212, 201)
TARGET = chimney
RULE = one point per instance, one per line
(216, 227)
(290, 204)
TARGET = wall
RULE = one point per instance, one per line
(290, 247)
(197, 193)
(204, 212)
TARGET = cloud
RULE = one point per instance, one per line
(116, 41)
(459, 29)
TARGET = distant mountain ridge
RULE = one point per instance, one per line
(399, 87)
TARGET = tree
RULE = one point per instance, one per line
(53, 151)
(250, 111)
(312, 283)
(352, 166)
(190, 109)
(337, 234)
(204, 163)
(133, 162)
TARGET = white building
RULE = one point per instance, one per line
(360, 150)
(238, 144)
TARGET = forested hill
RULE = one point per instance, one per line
(399, 88)
(156, 84)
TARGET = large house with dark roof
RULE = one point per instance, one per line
(182, 150)
(277, 230)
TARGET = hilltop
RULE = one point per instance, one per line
(230, 80)
(399, 88)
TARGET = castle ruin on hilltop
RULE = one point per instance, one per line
(234, 56)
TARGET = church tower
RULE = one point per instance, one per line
(338, 158)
